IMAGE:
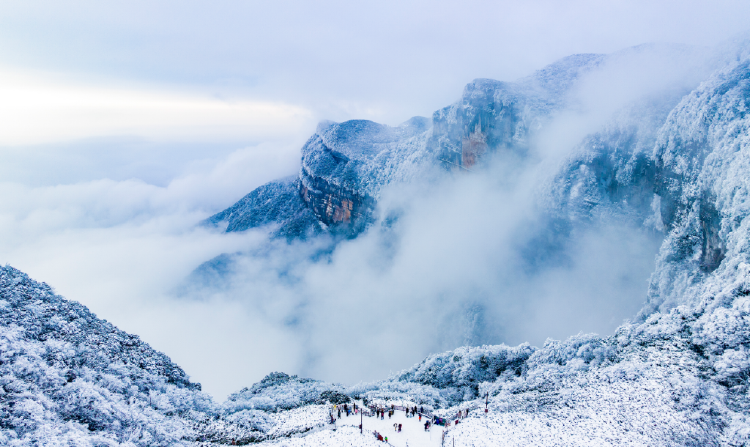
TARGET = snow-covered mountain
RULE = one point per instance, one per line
(69, 378)
(672, 160)
(346, 165)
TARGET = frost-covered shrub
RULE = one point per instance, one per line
(446, 379)
(468, 366)
(400, 391)
(279, 391)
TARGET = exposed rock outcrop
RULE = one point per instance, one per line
(276, 203)
(344, 167)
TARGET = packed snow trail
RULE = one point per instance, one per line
(412, 431)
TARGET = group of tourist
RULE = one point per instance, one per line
(410, 411)
(413, 412)
(380, 437)
(346, 409)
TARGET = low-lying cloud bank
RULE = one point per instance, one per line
(121, 246)
(452, 269)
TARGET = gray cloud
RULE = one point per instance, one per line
(385, 61)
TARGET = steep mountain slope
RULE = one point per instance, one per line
(344, 166)
(702, 186)
(71, 378)
(276, 202)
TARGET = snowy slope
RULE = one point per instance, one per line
(676, 379)
(278, 391)
(68, 377)
(275, 203)
(657, 388)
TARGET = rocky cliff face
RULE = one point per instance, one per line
(494, 116)
(328, 181)
(344, 166)
(702, 159)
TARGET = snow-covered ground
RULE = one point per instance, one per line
(348, 433)
(299, 420)
(412, 430)
(345, 436)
